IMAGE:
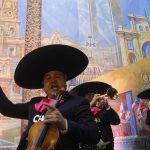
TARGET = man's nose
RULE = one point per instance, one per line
(53, 79)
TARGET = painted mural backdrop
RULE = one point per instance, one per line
(112, 33)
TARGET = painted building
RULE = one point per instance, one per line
(134, 42)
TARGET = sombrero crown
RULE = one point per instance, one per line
(32, 67)
(144, 95)
(90, 87)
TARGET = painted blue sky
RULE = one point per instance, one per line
(71, 18)
(136, 7)
(22, 7)
(61, 16)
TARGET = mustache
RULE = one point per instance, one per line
(53, 85)
(56, 86)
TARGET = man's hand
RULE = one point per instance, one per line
(95, 98)
(54, 117)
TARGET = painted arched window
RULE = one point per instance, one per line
(146, 49)
(130, 45)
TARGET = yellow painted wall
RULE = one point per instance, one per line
(134, 77)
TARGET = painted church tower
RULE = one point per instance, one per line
(11, 47)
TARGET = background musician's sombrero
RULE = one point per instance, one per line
(90, 87)
(144, 94)
(30, 70)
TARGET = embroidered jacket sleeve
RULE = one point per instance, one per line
(10, 109)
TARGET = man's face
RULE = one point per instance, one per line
(54, 82)
(103, 101)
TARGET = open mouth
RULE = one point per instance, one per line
(54, 86)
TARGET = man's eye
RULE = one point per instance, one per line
(47, 78)
(58, 77)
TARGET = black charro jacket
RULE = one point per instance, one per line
(148, 117)
(81, 125)
(106, 118)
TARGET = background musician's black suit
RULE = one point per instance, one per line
(107, 117)
(98, 94)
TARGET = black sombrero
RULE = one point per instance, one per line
(90, 87)
(144, 95)
(32, 67)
